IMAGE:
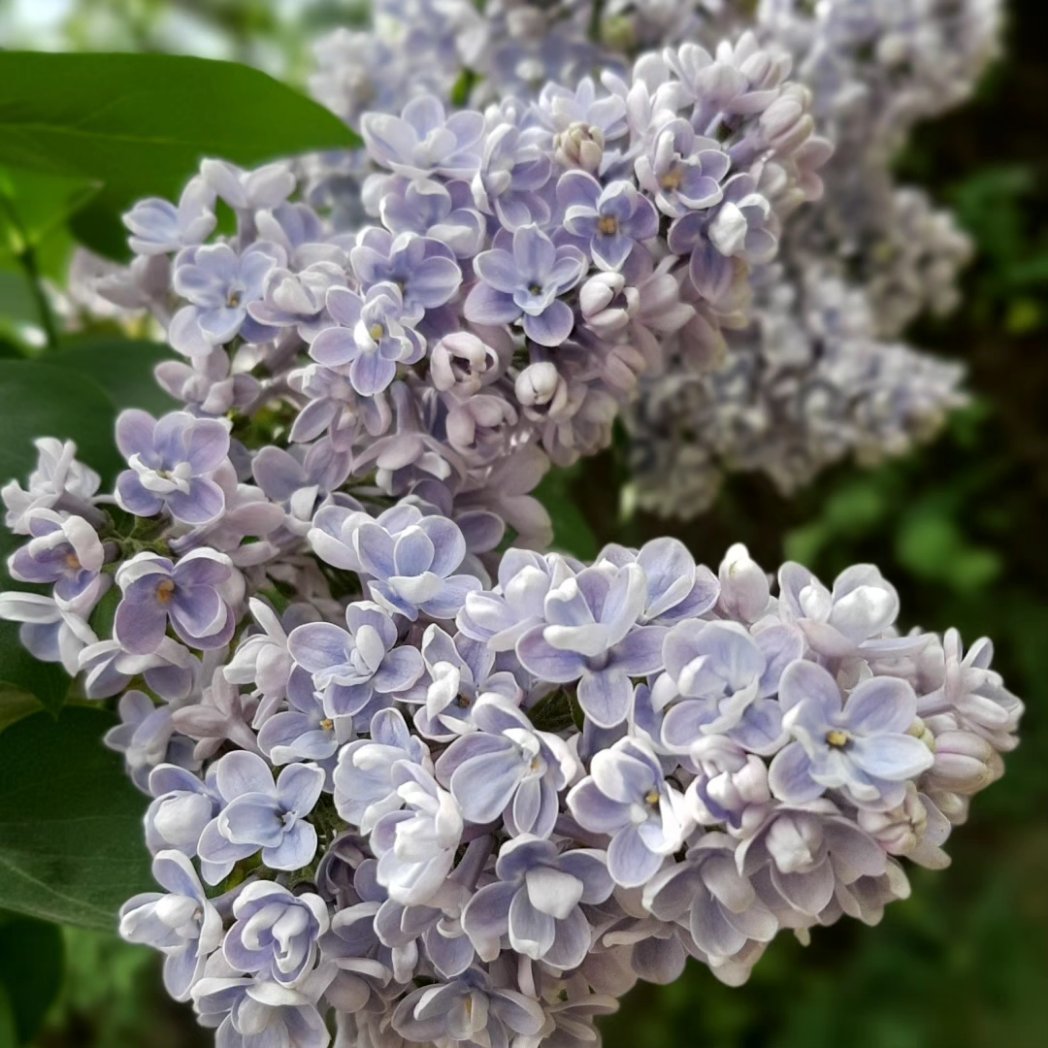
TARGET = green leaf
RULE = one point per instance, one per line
(122, 367)
(14, 705)
(140, 124)
(34, 205)
(71, 847)
(22, 677)
(32, 956)
(8, 1027)
(571, 531)
(38, 399)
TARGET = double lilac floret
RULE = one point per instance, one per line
(860, 745)
(260, 816)
(524, 281)
(173, 461)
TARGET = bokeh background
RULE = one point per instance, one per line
(961, 527)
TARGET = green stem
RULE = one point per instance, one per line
(596, 16)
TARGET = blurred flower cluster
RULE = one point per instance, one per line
(408, 772)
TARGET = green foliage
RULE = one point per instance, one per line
(122, 367)
(571, 531)
(31, 968)
(71, 845)
(138, 125)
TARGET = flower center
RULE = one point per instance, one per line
(165, 590)
(651, 798)
(72, 562)
(837, 739)
(608, 225)
(535, 289)
(377, 332)
(672, 179)
(327, 724)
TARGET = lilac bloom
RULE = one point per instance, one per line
(731, 784)
(856, 617)
(159, 227)
(678, 588)
(173, 461)
(58, 481)
(189, 593)
(351, 666)
(683, 171)
(274, 933)
(51, 630)
(626, 797)
(261, 1013)
(609, 220)
(536, 903)
(297, 299)
(592, 636)
(147, 738)
(469, 1011)
(63, 551)
(743, 226)
(412, 572)
(714, 672)
(524, 284)
(416, 845)
(809, 854)
(364, 786)
(460, 670)
(305, 730)
(499, 618)
(422, 268)
(507, 769)
(259, 815)
(219, 284)
(423, 140)
(514, 170)
(439, 212)
(183, 805)
(706, 892)
(374, 334)
(183, 925)
(860, 745)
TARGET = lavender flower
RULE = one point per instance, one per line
(607, 219)
(173, 462)
(184, 925)
(274, 932)
(524, 284)
(626, 797)
(260, 816)
(859, 745)
(190, 594)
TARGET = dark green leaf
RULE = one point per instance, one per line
(22, 676)
(571, 531)
(37, 400)
(71, 846)
(32, 956)
(8, 1029)
(123, 368)
(140, 124)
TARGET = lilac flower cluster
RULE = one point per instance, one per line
(406, 771)
(820, 373)
(513, 274)
(447, 811)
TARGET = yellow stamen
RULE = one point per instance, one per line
(651, 798)
(165, 590)
(838, 739)
(608, 225)
(377, 332)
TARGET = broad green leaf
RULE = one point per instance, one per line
(14, 705)
(71, 847)
(140, 124)
(38, 400)
(23, 678)
(8, 1027)
(122, 367)
(32, 956)
(34, 205)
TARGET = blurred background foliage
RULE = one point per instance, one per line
(961, 527)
